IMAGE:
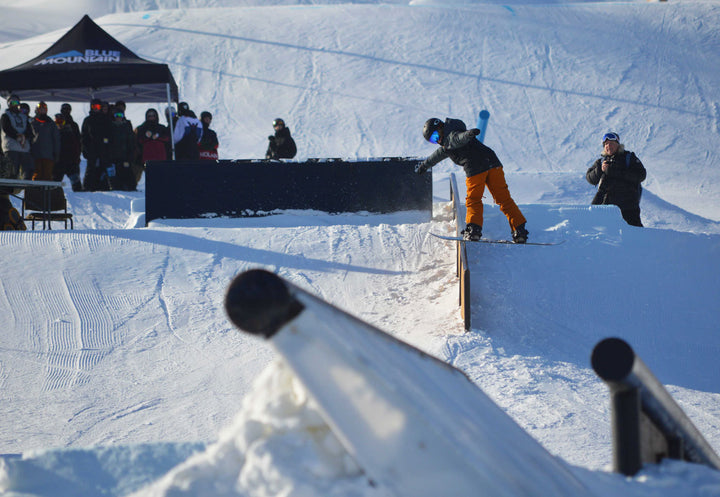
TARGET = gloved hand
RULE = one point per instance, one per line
(475, 131)
(271, 138)
(421, 167)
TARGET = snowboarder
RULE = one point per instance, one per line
(482, 168)
(618, 174)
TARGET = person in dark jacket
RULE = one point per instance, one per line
(482, 168)
(208, 144)
(618, 174)
(96, 135)
(69, 158)
(122, 152)
(282, 145)
(45, 147)
(68, 163)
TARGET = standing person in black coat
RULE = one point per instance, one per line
(208, 144)
(96, 136)
(618, 174)
(282, 145)
(122, 153)
(69, 159)
(70, 147)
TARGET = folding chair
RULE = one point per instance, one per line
(47, 205)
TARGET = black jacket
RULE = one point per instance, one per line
(620, 185)
(96, 136)
(464, 149)
(282, 145)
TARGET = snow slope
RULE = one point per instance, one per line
(118, 362)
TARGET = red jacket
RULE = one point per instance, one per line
(154, 147)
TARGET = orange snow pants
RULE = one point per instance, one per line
(495, 180)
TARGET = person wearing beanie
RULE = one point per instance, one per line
(152, 141)
(187, 134)
(69, 162)
(45, 146)
(618, 174)
(16, 135)
(96, 135)
(208, 144)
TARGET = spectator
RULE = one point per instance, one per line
(152, 140)
(16, 136)
(187, 134)
(122, 152)
(10, 218)
(282, 145)
(618, 174)
(120, 106)
(45, 146)
(95, 139)
(209, 142)
(482, 168)
(69, 162)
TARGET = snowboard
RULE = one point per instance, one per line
(487, 240)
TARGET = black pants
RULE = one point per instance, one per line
(632, 216)
(96, 176)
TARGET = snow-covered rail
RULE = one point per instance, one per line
(647, 423)
(416, 425)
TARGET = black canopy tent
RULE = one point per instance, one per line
(88, 63)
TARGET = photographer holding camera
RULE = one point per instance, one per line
(618, 174)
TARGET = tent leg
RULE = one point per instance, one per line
(170, 123)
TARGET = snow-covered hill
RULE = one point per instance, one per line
(116, 337)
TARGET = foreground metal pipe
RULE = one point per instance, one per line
(414, 424)
(636, 392)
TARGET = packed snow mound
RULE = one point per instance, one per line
(278, 444)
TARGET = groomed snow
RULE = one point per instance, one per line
(118, 364)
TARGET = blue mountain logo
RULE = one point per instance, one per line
(71, 53)
(75, 57)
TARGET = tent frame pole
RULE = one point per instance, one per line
(170, 121)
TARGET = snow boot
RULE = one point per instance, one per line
(520, 235)
(472, 232)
